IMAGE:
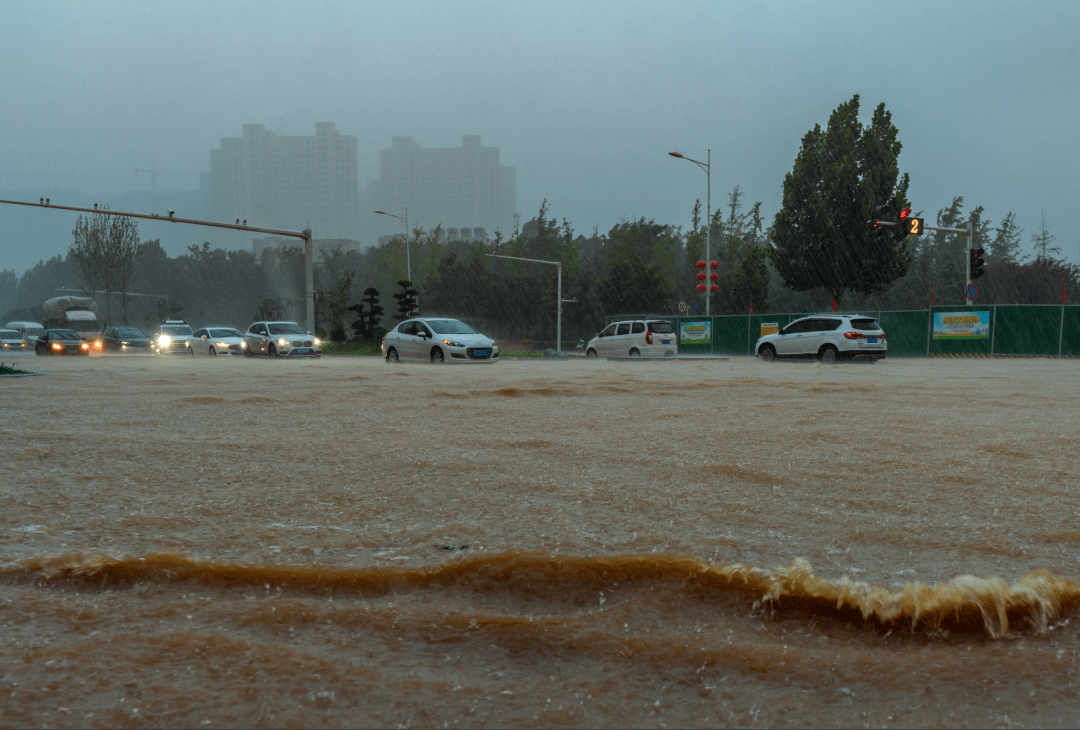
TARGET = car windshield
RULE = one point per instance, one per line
(10, 335)
(34, 331)
(286, 328)
(225, 333)
(451, 327)
(865, 325)
(175, 330)
(65, 335)
(128, 332)
(661, 328)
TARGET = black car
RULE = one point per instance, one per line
(61, 342)
(122, 340)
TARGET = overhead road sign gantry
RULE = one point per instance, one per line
(304, 235)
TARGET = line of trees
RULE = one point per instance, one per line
(819, 248)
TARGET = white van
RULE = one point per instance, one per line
(28, 330)
(635, 338)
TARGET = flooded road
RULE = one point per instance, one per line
(226, 542)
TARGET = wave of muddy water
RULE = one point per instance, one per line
(212, 543)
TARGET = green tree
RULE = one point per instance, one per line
(1006, 244)
(840, 175)
(1043, 238)
(367, 320)
(406, 299)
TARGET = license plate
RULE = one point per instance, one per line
(303, 350)
(871, 340)
(480, 353)
(665, 342)
(140, 349)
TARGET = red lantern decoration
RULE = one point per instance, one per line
(701, 264)
(714, 277)
(714, 265)
(701, 276)
(714, 288)
(701, 287)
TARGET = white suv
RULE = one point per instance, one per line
(635, 338)
(828, 337)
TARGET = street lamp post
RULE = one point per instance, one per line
(405, 220)
(558, 294)
(708, 209)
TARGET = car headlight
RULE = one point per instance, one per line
(97, 344)
(221, 344)
(317, 341)
(282, 341)
(84, 346)
(57, 346)
(451, 343)
(164, 341)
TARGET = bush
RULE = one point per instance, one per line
(338, 333)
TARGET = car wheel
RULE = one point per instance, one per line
(271, 351)
(213, 352)
(635, 353)
(248, 352)
(590, 353)
(437, 357)
(767, 353)
(392, 356)
(828, 355)
(190, 352)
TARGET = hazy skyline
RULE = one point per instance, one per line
(585, 101)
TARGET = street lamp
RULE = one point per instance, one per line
(558, 294)
(405, 220)
(708, 208)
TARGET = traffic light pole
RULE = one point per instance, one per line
(304, 235)
(963, 231)
(558, 294)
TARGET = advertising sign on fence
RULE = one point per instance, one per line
(696, 333)
(961, 325)
(769, 328)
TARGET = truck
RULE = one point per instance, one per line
(73, 313)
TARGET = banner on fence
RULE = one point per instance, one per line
(769, 328)
(961, 325)
(696, 333)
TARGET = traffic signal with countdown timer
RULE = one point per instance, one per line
(977, 263)
(901, 230)
(914, 226)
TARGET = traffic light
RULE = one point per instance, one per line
(901, 231)
(977, 263)
(881, 212)
(914, 226)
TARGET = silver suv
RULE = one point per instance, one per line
(635, 338)
(828, 337)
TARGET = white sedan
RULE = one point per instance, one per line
(438, 340)
(214, 341)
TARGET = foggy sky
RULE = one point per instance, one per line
(585, 100)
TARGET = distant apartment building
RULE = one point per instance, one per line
(287, 182)
(464, 189)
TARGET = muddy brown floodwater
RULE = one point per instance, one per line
(342, 543)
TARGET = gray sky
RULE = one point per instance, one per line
(584, 99)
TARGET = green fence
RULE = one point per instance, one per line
(1015, 329)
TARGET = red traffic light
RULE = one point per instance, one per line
(904, 214)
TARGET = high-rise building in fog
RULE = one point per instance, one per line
(287, 182)
(460, 187)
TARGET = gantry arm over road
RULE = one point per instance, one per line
(305, 236)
